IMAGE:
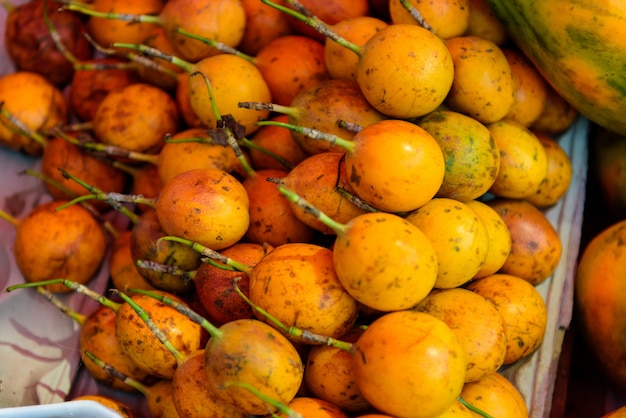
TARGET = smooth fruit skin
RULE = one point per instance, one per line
(458, 236)
(499, 238)
(51, 244)
(483, 86)
(290, 64)
(476, 322)
(232, 79)
(34, 101)
(409, 364)
(558, 177)
(311, 407)
(177, 157)
(322, 105)
(207, 206)
(580, 52)
(471, 155)
(141, 345)
(600, 291)
(192, 395)
(531, 90)
(522, 308)
(97, 336)
(220, 20)
(536, 246)
(385, 262)
(107, 31)
(396, 166)
(405, 71)
(145, 245)
(296, 283)
(252, 352)
(447, 18)
(341, 62)
(316, 179)
(328, 375)
(523, 160)
(136, 117)
(495, 395)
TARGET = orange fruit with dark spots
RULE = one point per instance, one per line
(395, 166)
(497, 396)
(531, 89)
(535, 243)
(483, 86)
(522, 308)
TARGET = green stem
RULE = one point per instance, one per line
(213, 331)
(315, 23)
(253, 145)
(112, 371)
(272, 107)
(220, 46)
(56, 38)
(108, 149)
(9, 218)
(65, 309)
(349, 126)
(294, 331)
(200, 139)
(115, 200)
(147, 319)
(127, 17)
(292, 196)
(76, 287)
(188, 67)
(355, 200)
(17, 126)
(230, 137)
(185, 275)
(68, 192)
(415, 14)
(279, 406)
(136, 59)
(74, 127)
(128, 169)
(49, 181)
(349, 146)
(207, 252)
(473, 408)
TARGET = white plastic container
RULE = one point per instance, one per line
(80, 409)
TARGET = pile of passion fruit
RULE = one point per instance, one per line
(334, 209)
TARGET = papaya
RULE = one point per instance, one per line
(578, 46)
(600, 301)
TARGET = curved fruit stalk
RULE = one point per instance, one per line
(417, 158)
(158, 395)
(251, 352)
(296, 283)
(426, 74)
(222, 20)
(97, 336)
(372, 240)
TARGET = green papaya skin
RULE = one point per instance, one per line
(578, 46)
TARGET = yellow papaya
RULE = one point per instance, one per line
(600, 300)
(578, 46)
